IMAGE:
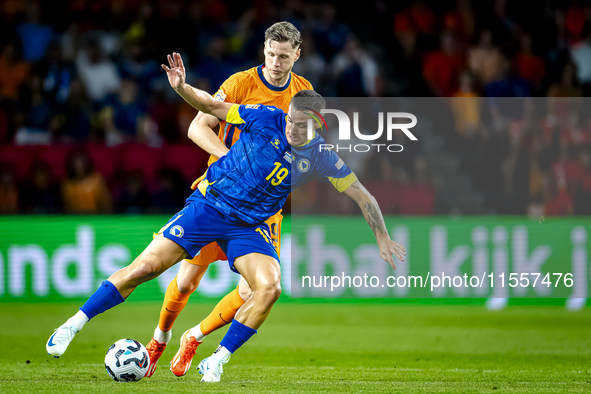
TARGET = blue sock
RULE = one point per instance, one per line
(106, 297)
(236, 336)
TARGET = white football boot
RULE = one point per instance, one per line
(59, 341)
(212, 368)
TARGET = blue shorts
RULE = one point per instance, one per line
(198, 224)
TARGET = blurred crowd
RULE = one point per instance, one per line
(89, 124)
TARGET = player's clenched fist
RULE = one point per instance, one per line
(176, 72)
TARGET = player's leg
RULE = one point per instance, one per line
(176, 297)
(263, 274)
(226, 309)
(160, 255)
(223, 313)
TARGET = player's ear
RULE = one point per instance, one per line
(297, 55)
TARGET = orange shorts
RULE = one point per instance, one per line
(212, 252)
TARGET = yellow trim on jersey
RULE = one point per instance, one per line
(307, 142)
(203, 185)
(233, 116)
(163, 229)
(342, 184)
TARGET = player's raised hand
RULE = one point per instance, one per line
(176, 72)
(389, 248)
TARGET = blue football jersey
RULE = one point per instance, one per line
(252, 181)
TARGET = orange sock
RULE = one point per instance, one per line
(223, 313)
(174, 302)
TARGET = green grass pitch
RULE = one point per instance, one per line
(319, 347)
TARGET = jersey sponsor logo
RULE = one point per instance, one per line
(288, 157)
(339, 164)
(252, 106)
(303, 165)
(177, 231)
(275, 143)
(220, 95)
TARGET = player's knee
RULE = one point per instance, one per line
(185, 286)
(143, 269)
(244, 291)
(269, 290)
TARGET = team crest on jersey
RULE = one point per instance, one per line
(220, 95)
(275, 143)
(303, 165)
(288, 157)
(177, 231)
(252, 106)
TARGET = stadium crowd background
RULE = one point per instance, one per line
(89, 124)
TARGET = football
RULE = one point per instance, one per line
(127, 360)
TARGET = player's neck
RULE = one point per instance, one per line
(276, 82)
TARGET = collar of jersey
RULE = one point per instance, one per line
(268, 85)
(307, 142)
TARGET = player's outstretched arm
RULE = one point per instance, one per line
(198, 99)
(373, 216)
(201, 132)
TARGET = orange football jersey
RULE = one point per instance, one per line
(251, 87)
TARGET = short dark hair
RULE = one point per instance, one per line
(308, 99)
(283, 32)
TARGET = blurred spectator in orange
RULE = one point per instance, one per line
(442, 67)
(84, 191)
(13, 71)
(466, 105)
(485, 58)
(529, 65)
(8, 191)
